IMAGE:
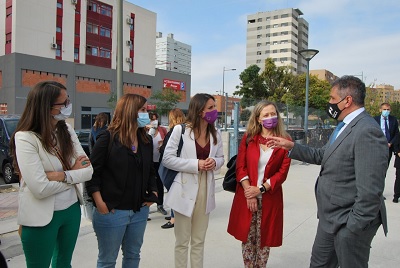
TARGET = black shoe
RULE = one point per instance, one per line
(395, 200)
(168, 218)
(384, 198)
(148, 219)
(167, 225)
(161, 210)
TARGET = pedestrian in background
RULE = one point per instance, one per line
(158, 133)
(99, 125)
(123, 184)
(51, 163)
(351, 181)
(192, 194)
(256, 216)
(175, 117)
(389, 126)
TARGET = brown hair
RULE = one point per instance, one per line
(196, 107)
(175, 117)
(37, 118)
(101, 121)
(255, 128)
(124, 122)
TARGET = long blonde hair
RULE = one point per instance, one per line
(254, 127)
(175, 117)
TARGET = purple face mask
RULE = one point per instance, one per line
(270, 122)
(211, 116)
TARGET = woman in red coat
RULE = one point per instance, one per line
(256, 216)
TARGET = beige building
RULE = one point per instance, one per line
(324, 75)
(279, 35)
(386, 93)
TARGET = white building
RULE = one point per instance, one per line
(173, 55)
(279, 35)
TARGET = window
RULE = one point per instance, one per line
(258, 36)
(58, 51)
(59, 5)
(274, 51)
(58, 29)
(258, 61)
(259, 28)
(94, 51)
(258, 52)
(94, 29)
(105, 10)
(275, 26)
(76, 53)
(105, 53)
(275, 43)
(258, 44)
(267, 51)
(105, 32)
(267, 18)
(275, 34)
(276, 17)
(259, 20)
(284, 15)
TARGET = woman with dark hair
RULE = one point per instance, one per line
(256, 216)
(192, 194)
(123, 186)
(99, 125)
(51, 163)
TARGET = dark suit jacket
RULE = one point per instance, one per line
(393, 127)
(352, 178)
(396, 149)
(111, 166)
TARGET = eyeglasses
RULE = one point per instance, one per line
(65, 103)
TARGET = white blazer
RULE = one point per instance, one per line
(183, 192)
(37, 194)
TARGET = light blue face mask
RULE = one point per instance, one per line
(385, 113)
(143, 119)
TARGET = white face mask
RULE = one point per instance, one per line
(154, 123)
(65, 112)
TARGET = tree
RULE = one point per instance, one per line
(271, 84)
(167, 100)
(245, 115)
(112, 101)
(372, 101)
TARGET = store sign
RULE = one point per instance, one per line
(174, 84)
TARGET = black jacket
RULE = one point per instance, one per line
(110, 165)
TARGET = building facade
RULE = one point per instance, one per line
(279, 35)
(173, 55)
(324, 75)
(75, 42)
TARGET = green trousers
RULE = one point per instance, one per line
(54, 242)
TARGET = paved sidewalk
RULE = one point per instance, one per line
(221, 249)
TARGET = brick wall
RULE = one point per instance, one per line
(143, 91)
(31, 77)
(90, 85)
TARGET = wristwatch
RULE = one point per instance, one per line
(262, 188)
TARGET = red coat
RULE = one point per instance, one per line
(272, 201)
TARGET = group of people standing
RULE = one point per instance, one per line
(122, 180)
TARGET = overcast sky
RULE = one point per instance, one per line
(358, 37)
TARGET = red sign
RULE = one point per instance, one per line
(151, 107)
(174, 84)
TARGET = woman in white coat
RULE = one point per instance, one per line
(192, 194)
(51, 164)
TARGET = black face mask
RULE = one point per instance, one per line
(333, 110)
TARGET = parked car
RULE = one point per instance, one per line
(83, 136)
(8, 124)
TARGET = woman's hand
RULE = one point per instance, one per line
(251, 191)
(252, 204)
(81, 162)
(148, 203)
(210, 164)
(102, 207)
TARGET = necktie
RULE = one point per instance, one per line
(387, 134)
(336, 131)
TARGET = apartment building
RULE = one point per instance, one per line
(173, 55)
(75, 42)
(279, 35)
(324, 75)
(387, 93)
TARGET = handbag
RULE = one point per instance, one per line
(168, 175)
(229, 184)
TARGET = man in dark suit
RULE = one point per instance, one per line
(351, 180)
(389, 126)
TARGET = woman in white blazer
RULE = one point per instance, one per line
(192, 194)
(51, 164)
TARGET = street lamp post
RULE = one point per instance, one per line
(307, 54)
(223, 94)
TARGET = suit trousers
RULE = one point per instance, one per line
(345, 248)
(192, 229)
(397, 184)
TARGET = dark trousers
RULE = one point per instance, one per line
(345, 248)
(160, 185)
(397, 184)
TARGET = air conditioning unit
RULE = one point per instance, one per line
(129, 60)
(53, 45)
(128, 42)
(74, 2)
(129, 21)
